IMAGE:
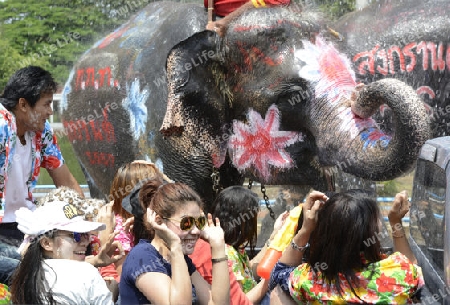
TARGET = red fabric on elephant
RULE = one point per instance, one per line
(224, 7)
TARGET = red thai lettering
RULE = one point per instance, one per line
(436, 56)
(106, 71)
(107, 127)
(422, 48)
(100, 158)
(85, 128)
(437, 53)
(407, 50)
(391, 51)
(447, 57)
(426, 90)
(97, 132)
(369, 63)
(80, 74)
(86, 77)
(383, 69)
(90, 80)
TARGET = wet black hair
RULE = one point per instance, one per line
(347, 227)
(28, 83)
(237, 208)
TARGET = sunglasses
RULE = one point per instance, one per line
(77, 236)
(187, 222)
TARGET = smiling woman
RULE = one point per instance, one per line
(175, 218)
(58, 239)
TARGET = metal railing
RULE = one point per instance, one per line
(43, 189)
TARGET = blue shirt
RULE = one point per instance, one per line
(145, 258)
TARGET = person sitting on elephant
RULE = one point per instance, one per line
(232, 9)
(346, 264)
(175, 219)
(237, 207)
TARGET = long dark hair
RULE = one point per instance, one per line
(348, 226)
(28, 280)
(237, 208)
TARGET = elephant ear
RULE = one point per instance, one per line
(194, 77)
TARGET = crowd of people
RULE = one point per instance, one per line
(154, 244)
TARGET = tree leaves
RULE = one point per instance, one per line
(54, 33)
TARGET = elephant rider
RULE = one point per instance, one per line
(228, 10)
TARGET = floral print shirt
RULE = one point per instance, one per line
(394, 281)
(45, 151)
(125, 238)
(5, 295)
(240, 264)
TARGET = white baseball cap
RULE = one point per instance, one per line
(55, 215)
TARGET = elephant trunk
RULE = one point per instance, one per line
(363, 149)
(173, 123)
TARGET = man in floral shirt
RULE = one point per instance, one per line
(27, 143)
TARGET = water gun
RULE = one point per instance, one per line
(281, 240)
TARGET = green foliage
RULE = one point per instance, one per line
(335, 9)
(388, 188)
(54, 33)
(71, 161)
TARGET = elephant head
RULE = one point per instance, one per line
(273, 96)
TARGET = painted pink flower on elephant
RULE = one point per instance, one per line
(328, 69)
(260, 143)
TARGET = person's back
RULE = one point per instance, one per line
(345, 263)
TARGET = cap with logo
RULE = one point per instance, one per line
(55, 215)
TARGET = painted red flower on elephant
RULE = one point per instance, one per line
(259, 143)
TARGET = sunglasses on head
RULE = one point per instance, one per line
(77, 236)
(187, 222)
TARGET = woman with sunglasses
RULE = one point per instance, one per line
(52, 270)
(159, 271)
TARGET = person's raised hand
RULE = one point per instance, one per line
(166, 234)
(311, 209)
(110, 252)
(106, 216)
(400, 206)
(213, 233)
(128, 225)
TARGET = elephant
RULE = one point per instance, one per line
(406, 40)
(273, 101)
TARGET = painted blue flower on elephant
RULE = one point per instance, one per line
(135, 104)
(372, 136)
